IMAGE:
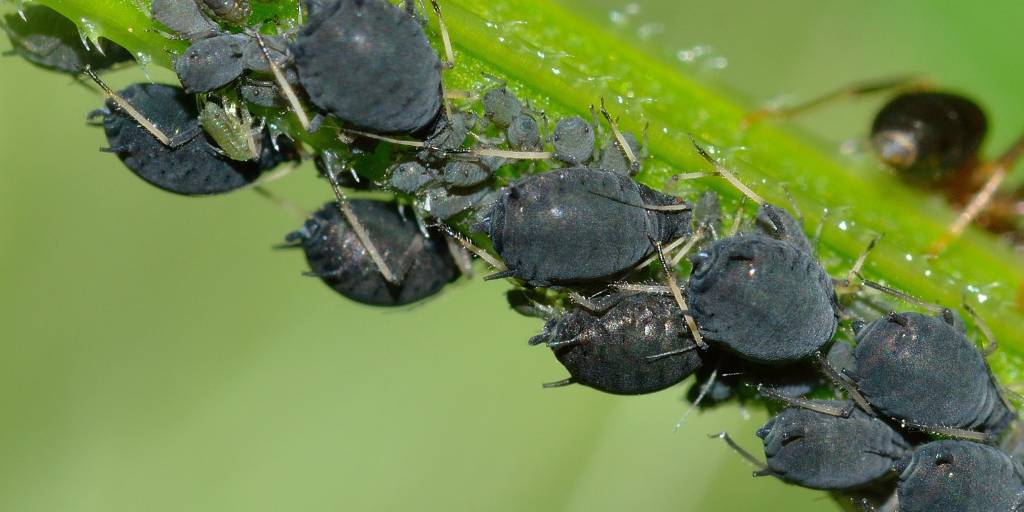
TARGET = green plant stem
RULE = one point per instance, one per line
(562, 65)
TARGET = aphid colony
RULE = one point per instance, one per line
(757, 313)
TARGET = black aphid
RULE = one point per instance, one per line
(523, 133)
(187, 163)
(444, 203)
(422, 265)
(573, 140)
(411, 177)
(464, 173)
(185, 18)
(580, 225)
(922, 369)
(822, 451)
(231, 11)
(368, 63)
(635, 344)
(960, 476)
(764, 296)
(501, 106)
(48, 39)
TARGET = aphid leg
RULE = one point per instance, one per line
(642, 288)
(858, 264)
(724, 436)
(578, 298)
(670, 353)
(705, 388)
(697, 236)
(667, 248)
(848, 91)
(991, 344)
(792, 203)
(634, 163)
(737, 220)
(559, 384)
(803, 403)
(166, 140)
(816, 239)
(495, 263)
(956, 433)
(844, 382)
(678, 295)
(727, 174)
(357, 227)
(282, 83)
(449, 54)
(997, 170)
(906, 297)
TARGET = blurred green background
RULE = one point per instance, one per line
(157, 355)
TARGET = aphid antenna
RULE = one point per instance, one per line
(727, 174)
(997, 170)
(697, 237)
(792, 204)
(449, 54)
(851, 390)
(847, 91)
(858, 264)
(495, 263)
(678, 295)
(905, 297)
(668, 248)
(281, 202)
(955, 433)
(136, 115)
(642, 288)
(286, 88)
(762, 467)
(803, 403)
(737, 220)
(558, 384)
(634, 163)
(686, 176)
(705, 388)
(357, 227)
(816, 239)
(485, 152)
(991, 344)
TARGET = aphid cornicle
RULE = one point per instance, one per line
(922, 369)
(190, 164)
(960, 476)
(821, 451)
(335, 254)
(579, 225)
(369, 63)
(638, 344)
(48, 39)
(765, 298)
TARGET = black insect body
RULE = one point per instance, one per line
(960, 476)
(231, 11)
(821, 451)
(185, 18)
(501, 106)
(52, 41)
(765, 298)
(923, 370)
(578, 225)
(190, 165)
(523, 133)
(335, 254)
(573, 140)
(411, 177)
(369, 64)
(464, 173)
(639, 344)
(211, 63)
(444, 203)
(928, 135)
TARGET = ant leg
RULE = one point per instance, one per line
(678, 295)
(848, 91)
(286, 88)
(166, 140)
(357, 226)
(724, 436)
(997, 170)
(559, 384)
(727, 174)
(803, 403)
(634, 163)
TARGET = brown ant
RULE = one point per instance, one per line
(931, 138)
